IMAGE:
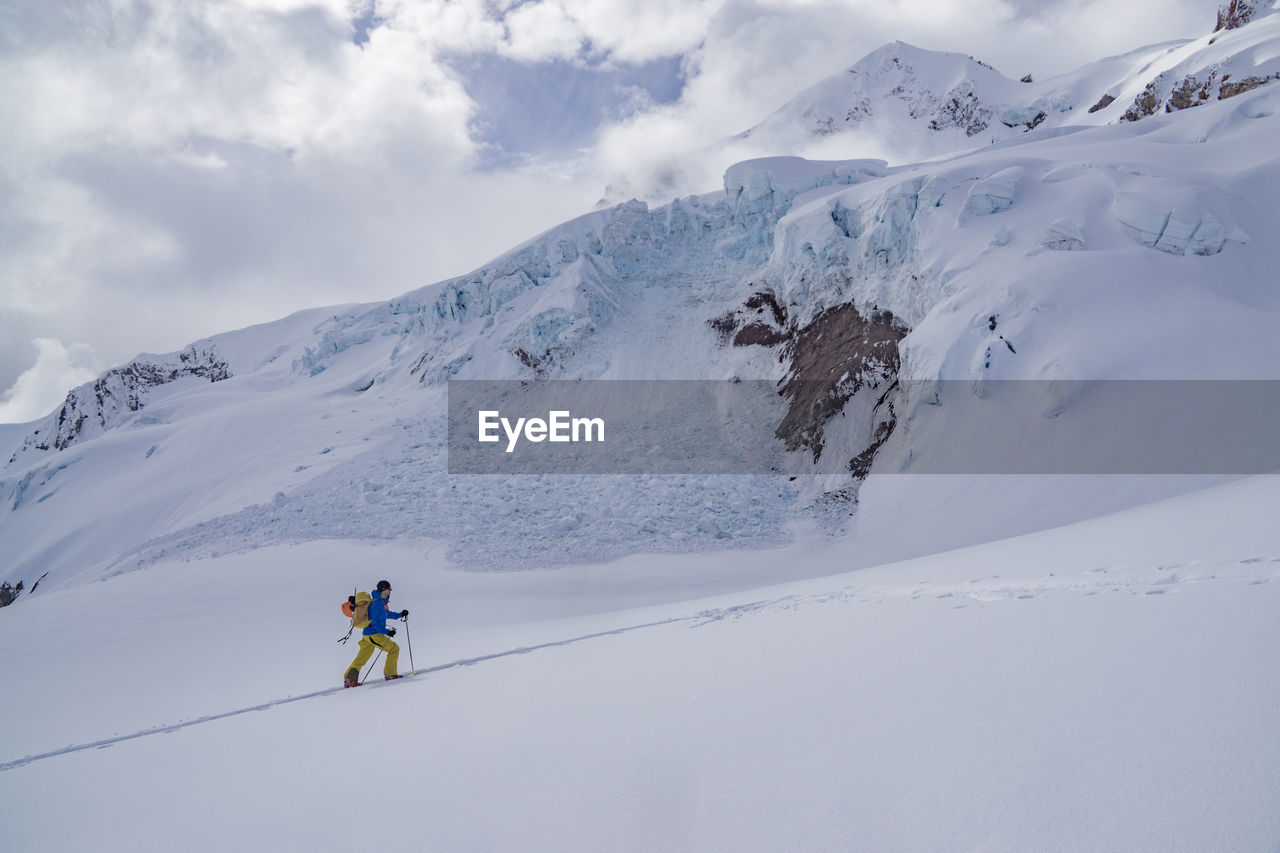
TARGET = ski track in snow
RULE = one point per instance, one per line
(165, 729)
(1154, 580)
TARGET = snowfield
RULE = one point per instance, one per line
(1110, 684)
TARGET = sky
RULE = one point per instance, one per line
(170, 170)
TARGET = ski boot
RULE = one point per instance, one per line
(391, 677)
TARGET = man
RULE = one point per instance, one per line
(377, 636)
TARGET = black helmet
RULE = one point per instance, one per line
(384, 585)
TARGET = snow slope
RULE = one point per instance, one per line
(1107, 685)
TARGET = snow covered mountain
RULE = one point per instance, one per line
(1101, 250)
(904, 104)
(899, 90)
(1022, 661)
(1108, 685)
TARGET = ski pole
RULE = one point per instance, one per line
(371, 665)
(409, 642)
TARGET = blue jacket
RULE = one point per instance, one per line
(378, 614)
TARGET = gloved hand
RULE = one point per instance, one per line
(391, 632)
(404, 614)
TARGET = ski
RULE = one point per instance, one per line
(372, 683)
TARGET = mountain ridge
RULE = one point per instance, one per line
(1035, 258)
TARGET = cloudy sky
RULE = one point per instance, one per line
(171, 169)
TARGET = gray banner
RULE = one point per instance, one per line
(906, 427)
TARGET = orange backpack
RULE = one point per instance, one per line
(356, 608)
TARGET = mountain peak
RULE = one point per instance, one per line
(926, 101)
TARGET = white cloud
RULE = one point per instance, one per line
(540, 31)
(757, 54)
(191, 168)
(169, 170)
(640, 30)
(43, 387)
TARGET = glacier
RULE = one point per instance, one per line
(330, 422)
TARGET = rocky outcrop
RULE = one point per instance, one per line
(1206, 74)
(1239, 87)
(829, 360)
(840, 353)
(761, 321)
(1235, 14)
(1103, 102)
(961, 107)
(107, 401)
(1146, 103)
(1191, 91)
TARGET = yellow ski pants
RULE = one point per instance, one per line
(368, 644)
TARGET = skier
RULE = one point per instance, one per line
(377, 636)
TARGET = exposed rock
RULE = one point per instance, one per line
(529, 360)
(754, 334)
(108, 400)
(1145, 104)
(1239, 87)
(724, 325)
(822, 125)
(858, 110)
(961, 107)
(1189, 93)
(833, 357)
(1103, 102)
(1235, 14)
(762, 321)
(1026, 79)
(766, 299)
(860, 465)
